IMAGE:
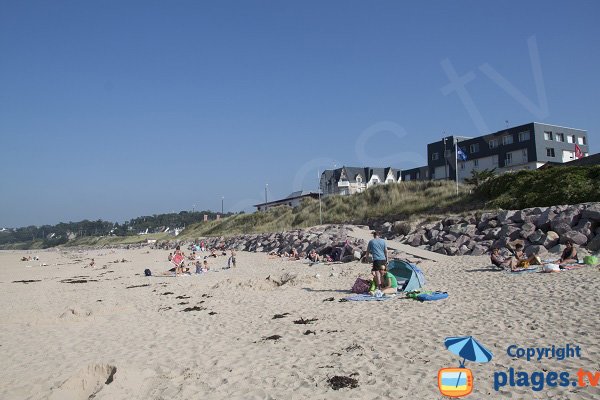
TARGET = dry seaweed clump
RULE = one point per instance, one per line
(339, 382)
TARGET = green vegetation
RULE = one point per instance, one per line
(540, 188)
(400, 201)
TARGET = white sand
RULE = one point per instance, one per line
(63, 340)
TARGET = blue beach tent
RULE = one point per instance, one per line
(409, 276)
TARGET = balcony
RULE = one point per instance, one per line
(343, 184)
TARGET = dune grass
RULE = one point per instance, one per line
(400, 201)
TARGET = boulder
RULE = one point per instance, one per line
(545, 219)
(560, 226)
(527, 229)
(509, 231)
(592, 212)
(576, 237)
(594, 244)
(505, 216)
(518, 216)
(492, 233)
(535, 249)
(551, 239)
(479, 250)
(537, 237)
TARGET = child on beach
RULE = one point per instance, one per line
(500, 261)
(231, 261)
(522, 261)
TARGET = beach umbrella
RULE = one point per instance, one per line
(468, 348)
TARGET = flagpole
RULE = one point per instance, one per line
(456, 162)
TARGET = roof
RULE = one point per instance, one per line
(366, 173)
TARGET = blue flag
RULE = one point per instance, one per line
(461, 154)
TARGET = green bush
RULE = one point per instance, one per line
(541, 188)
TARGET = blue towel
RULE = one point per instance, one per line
(368, 297)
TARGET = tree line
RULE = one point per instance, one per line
(53, 235)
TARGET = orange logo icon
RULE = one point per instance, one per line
(455, 382)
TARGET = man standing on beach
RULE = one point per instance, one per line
(378, 250)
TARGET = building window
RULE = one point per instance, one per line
(581, 140)
(549, 152)
(524, 154)
(495, 160)
(358, 179)
(560, 137)
(493, 143)
(508, 159)
(547, 135)
(435, 156)
(418, 175)
(508, 139)
(570, 138)
(523, 136)
(474, 148)
(476, 163)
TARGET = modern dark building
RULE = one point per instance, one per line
(526, 146)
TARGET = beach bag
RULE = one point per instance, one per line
(590, 260)
(147, 272)
(360, 286)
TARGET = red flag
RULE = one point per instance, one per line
(578, 152)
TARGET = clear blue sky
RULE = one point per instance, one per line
(118, 109)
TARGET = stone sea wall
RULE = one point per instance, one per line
(540, 230)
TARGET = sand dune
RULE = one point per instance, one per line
(109, 332)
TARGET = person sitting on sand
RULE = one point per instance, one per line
(389, 283)
(92, 263)
(313, 256)
(521, 258)
(569, 254)
(170, 256)
(198, 267)
(294, 254)
(206, 268)
(501, 262)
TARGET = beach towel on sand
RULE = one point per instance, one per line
(368, 297)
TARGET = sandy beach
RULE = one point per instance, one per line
(71, 331)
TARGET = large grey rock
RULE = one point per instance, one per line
(536, 249)
(492, 233)
(509, 231)
(560, 226)
(479, 250)
(505, 216)
(592, 212)
(537, 237)
(574, 236)
(585, 226)
(594, 244)
(551, 239)
(527, 229)
(518, 216)
(545, 219)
